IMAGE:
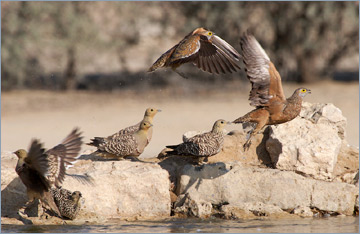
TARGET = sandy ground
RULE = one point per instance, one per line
(50, 116)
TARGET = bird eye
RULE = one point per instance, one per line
(303, 90)
(209, 33)
(152, 109)
(222, 122)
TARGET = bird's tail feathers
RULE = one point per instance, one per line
(171, 146)
(239, 120)
(96, 141)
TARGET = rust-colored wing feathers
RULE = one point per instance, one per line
(207, 51)
(265, 80)
(185, 50)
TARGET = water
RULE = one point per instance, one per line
(330, 224)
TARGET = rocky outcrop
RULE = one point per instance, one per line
(302, 168)
(309, 144)
(203, 187)
(110, 189)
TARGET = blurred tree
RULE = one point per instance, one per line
(15, 40)
(306, 40)
(72, 28)
(316, 34)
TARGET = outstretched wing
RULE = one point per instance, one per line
(63, 156)
(216, 55)
(37, 159)
(265, 79)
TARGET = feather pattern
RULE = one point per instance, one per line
(67, 202)
(206, 50)
(202, 145)
(121, 145)
(267, 93)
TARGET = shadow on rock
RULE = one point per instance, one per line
(13, 197)
(204, 172)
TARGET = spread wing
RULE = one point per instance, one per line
(216, 56)
(63, 156)
(37, 159)
(265, 79)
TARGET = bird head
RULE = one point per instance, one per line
(150, 112)
(204, 32)
(76, 196)
(21, 153)
(219, 125)
(303, 91)
(145, 125)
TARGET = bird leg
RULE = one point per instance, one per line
(260, 118)
(247, 144)
(181, 74)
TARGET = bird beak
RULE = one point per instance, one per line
(158, 110)
(228, 122)
(151, 125)
(309, 91)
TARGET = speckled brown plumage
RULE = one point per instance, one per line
(67, 202)
(121, 145)
(267, 94)
(202, 145)
(203, 48)
(148, 116)
(40, 170)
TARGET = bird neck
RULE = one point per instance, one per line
(216, 130)
(76, 199)
(295, 98)
(142, 132)
(148, 118)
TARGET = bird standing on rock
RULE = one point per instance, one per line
(203, 48)
(122, 145)
(202, 145)
(267, 94)
(40, 170)
(67, 202)
(148, 116)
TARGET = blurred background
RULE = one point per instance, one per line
(88, 61)
(109, 45)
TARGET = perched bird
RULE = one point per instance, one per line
(203, 48)
(122, 145)
(40, 170)
(267, 94)
(67, 202)
(148, 116)
(202, 145)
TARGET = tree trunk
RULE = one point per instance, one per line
(70, 70)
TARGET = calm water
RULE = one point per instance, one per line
(331, 224)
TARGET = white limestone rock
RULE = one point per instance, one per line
(310, 143)
(119, 190)
(233, 184)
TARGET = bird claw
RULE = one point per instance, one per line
(247, 145)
